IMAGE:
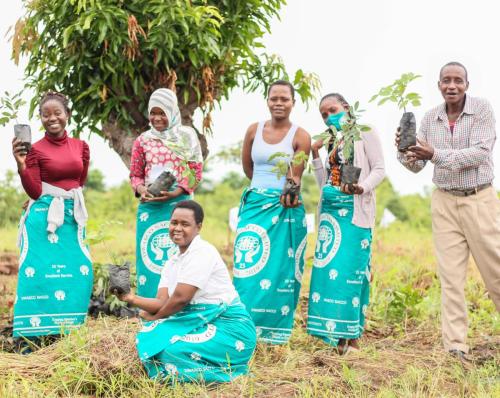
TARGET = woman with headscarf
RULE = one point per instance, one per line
(167, 147)
(55, 271)
(271, 235)
(340, 280)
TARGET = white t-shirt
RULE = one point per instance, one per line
(202, 266)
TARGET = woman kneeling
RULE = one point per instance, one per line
(197, 328)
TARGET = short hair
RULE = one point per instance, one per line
(454, 63)
(282, 83)
(54, 95)
(337, 96)
(191, 205)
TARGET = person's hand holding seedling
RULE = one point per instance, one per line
(422, 151)
(20, 152)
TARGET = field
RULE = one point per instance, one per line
(401, 355)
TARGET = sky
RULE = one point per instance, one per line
(355, 47)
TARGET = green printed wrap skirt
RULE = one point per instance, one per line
(153, 244)
(340, 281)
(268, 261)
(55, 274)
(203, 342)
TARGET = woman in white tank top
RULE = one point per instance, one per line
(271, 236)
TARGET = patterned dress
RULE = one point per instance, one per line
(150, 157)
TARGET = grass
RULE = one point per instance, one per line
(401, 351)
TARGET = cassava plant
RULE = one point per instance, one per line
(396, 93)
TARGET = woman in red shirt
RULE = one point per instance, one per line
(55, 269)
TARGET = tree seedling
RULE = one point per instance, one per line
(285, 163)
(9, 109)
(396, 93)
(351, 132)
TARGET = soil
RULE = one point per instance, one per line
(291, 188)
(350, 174)
(119, 278)
(162, 183)
(408, 130)
(9, 263)
(23, 132)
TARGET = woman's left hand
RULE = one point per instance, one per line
(286, 201)
(165, 195)
(147, 316)
(351, 189)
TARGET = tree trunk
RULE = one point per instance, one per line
(187, 112)
(122, 140)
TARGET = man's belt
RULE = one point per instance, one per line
(467, 192)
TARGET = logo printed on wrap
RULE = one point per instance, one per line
(151, 325)
(84, 270)
(81, 242)
(251, 251)
(330, 326)
(197, 338)
(299, 256)
(239, 345)
(329, 238)
(156, 246)
(25, 247)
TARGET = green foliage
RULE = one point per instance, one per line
(351, 132)
(396, 92)
(95, 180)
(229, 154)
(11, 199)
(109, 55)
(235, 180)
(285, 163)
(261, 72)
(9, 107)
(388, 198)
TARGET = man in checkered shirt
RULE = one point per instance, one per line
(458, 138)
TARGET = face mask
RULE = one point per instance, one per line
(334, 120)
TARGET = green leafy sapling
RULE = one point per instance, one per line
(396, 92)
(101, 235)
(9, 107)
(350, 133)
(9, 110)
(281, 167)
(285, 163)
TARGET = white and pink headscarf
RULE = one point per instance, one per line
(181, 139)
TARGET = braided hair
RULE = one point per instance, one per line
(54, 95)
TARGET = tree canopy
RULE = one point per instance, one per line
(109, 55)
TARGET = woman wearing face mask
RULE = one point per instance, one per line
(55, 270)
(167, 146)
(341, 274)
(271, 235)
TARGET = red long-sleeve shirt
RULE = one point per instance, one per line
(63, 162)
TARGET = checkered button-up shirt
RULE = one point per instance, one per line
(462, 159)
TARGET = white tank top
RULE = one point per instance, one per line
(263, 177)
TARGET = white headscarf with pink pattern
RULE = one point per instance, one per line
(180, 139)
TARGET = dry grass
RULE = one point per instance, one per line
(96, 358)
(402, 359)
